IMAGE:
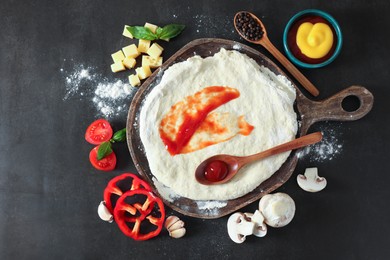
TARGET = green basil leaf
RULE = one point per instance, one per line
(140, 32)
(119, 136)
(171, 30)
(158, 31)
(104, 150)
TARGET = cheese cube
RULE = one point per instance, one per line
(143, 72)
(167, 39)
(129, 62)
(155, 51)
(118, 56)
(152, 27)
(143, 45)
(131, 51)
(152, 63)
(134, 80)
(117, 66)
(126, 33)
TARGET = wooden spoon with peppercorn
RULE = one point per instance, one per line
(250, 27)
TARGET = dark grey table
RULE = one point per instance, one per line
(49, 192)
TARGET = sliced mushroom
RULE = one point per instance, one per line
(260, 227)
(104, 213)
(175, 227)
(278, 209)
(311, 182)
(239, 226)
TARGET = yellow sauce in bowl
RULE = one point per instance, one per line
(314, 40)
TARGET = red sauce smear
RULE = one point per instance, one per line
(216, 171)
(214, 132)
(185, 117)
(292, 43)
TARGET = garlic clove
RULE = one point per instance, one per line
(104, 213)
(178, 233)
(170, 221)
(175, 227)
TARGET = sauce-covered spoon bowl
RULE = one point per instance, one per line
(221, 168)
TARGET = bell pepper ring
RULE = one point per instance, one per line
(137, 214)
(113, 188)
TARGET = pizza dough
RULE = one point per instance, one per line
(266, 101)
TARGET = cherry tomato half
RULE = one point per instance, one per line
(106, 164)
(98, 132)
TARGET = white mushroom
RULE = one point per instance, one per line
(311, 182)
(278, 209)
(175, 227)
(260, 227)
(104, 213)
(239, 226)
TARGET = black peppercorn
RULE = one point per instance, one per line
(248, 26)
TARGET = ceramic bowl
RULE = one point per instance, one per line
(338, 38)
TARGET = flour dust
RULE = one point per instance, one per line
(111, 98)
(328, 149)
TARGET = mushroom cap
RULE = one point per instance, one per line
(239, 226)
(278, 209)
(310, 181)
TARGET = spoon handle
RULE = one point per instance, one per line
(290, 67)
(294, 144)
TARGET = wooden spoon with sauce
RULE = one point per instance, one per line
(221, 168)
(266, 43)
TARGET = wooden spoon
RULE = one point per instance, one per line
(235, 163)
(266, 43)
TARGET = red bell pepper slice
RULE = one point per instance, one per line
(151, 210)
(113, 189)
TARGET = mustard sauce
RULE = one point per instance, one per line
(314, 40)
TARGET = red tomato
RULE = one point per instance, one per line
(98, 132)
(106, 164)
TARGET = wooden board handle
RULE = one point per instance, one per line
(332, 109)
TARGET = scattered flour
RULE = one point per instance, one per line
(211, 204)
(206, 24)
(110, 98)
(77, 78)
(327, 149)
(237, 47)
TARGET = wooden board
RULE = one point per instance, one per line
(308, 111)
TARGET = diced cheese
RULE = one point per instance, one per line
(118, 56)
(129, 62)
(131, 51)
(152, 63)
(167, 39)
(143, 45)
(126, 32)
(155, 51)
(152, 27)
(117, 66)
(134, 80)
(143, 72)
